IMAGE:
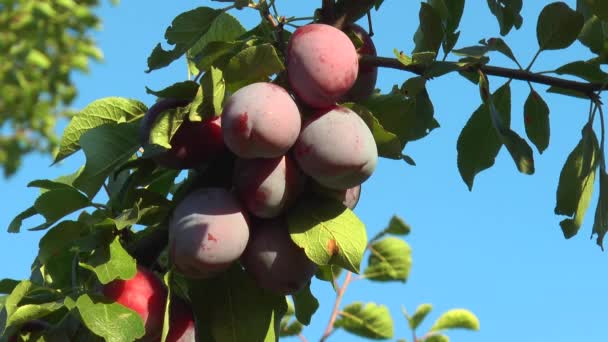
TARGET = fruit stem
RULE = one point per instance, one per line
(330, 325)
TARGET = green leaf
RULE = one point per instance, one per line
(402, 57)
(397, 226)
(576, 182)
(59, 238)
(408, 118)
(389, 145)
(479, 143)
(238, 310)
(536, 120)
(558, 26)
(224, 28)
(419, 315)
(305, 305)
(390, 259)
(328, 232)
(567, 92)
(600, 225)
(28, 312)
(185, 32)
(371, 321)
(253, 64)
(328, 273)
(15, 225)
(99, 112)
(109, 320)
(588, 71)
(8, 285)
(105, 148)
(167, 318)
(520, 151)
(599, 8)
(455, 319)
(507, 14)
(55, 204)
(593, 36)
(111, 261)
(291, 329)
(185, 90)
(437, 338)
(214, 90)
(430, 32)
(164, 128)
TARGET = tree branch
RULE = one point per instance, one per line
(586, 88)
(334, 314)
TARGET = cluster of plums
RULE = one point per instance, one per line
(280, 156)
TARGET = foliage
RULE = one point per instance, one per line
(90, 243)
(43, 43)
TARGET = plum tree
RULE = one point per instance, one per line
(367, 76)
(322, 64)
(181, 322)
(260, 120)
(144, 294)
(208, 231)
(193, 143)
(274, 260)
(336, 148)
(267, 186)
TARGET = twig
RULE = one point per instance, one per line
(587, 88)
(330, 325)
(302, 338)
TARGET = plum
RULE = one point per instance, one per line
(366, 78)
(182, 327)
(322, 64)
(274, 260)
(336, 148)
(348, 197)
(260, 120)
(267, 186)
(208, 231)
(144, 294)
(193, 143)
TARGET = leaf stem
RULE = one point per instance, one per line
(330, 325)
(534, 59)
(587, 88)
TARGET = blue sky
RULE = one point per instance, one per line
(497, 250)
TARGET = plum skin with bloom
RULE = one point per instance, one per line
(322, 64)
(208, 231)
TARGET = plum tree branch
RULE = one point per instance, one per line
(334, 314)
(587, 88)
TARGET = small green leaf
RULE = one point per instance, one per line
(55, 204)
(291, 329)
(600, 225)
(437, 338)
(305, 305)
(185, 90)
(419, 315)
(558, 26)
(402, 57)
(507, 14)
(576, 182)
(15, 225)
(397, 226)
(593, 36)
(224, 28)
(536, 120)
(588, 71)
(430, 32)
(214, 90)
(253, 64)
(111, 321)
(390, 260)
(185, 32)
(106, 147)
(520, 151)
(371, 321)
(455, 319)
(28, 312)
(111, 261)
(99, 112)
(328, 232)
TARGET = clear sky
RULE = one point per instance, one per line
(498, 250)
